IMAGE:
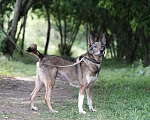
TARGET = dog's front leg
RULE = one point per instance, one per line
(80, 99)
(89, 98)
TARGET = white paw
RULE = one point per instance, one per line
(91, 108)
(34, 108)
(54, 111)
(82, 112)
(94, 110)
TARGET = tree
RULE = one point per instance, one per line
(23, 36)
(49, 26)
(136, 18)
(42, 9)
(5, 9)
(21, 9)
(13, 28)
(1, 14)
(68, 16)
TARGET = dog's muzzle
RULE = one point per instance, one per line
(28, 50)
(101, 53)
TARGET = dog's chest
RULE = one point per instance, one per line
(92, 76)
(91, 79)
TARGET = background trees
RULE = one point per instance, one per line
(21, 8)
(134, 32)
(125, 23)
(67, 16)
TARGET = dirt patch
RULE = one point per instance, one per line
(15, 102)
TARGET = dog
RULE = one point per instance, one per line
(83, 72)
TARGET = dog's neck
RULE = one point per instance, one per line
(39, 54)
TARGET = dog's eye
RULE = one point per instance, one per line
(103, 47)
(95, 46)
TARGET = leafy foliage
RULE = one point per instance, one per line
(125, 23)
(136, 12)
(132, 21)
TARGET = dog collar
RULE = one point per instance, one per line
(93, 61)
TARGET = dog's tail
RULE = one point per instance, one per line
(33, 49)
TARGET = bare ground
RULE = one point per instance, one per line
(15, 101)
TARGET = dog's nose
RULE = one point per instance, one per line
(28, 50)
(101, 51)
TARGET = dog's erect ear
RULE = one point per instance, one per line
(90, 41)
(103, 39)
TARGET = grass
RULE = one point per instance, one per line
(13, 68)
(121, 93)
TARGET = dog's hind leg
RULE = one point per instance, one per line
(49, 87)
(50, 81)
(38, 86)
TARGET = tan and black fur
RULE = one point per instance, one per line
(82, 75)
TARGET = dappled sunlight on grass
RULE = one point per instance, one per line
(16, 68)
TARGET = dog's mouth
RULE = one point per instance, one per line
(100, 53)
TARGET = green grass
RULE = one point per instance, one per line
(121, 93)
(16, 68)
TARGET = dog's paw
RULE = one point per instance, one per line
(54, 111)
(34, 108)
(82, 112)
(91, 108)
(94, 110)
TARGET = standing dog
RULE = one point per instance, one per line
(83, 74)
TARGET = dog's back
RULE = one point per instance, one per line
(49, 63)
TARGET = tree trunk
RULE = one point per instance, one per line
(20, 30)
(21, 8)
(23, 36)
(134, 49)
(75, 34)
(129, 46)
(26, 5)
(145, 48)
(1, 14)
(59, 22)
(48, 29)
(65, 31)
(10, 47)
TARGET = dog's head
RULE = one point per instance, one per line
(32, 49)
(97, 48)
